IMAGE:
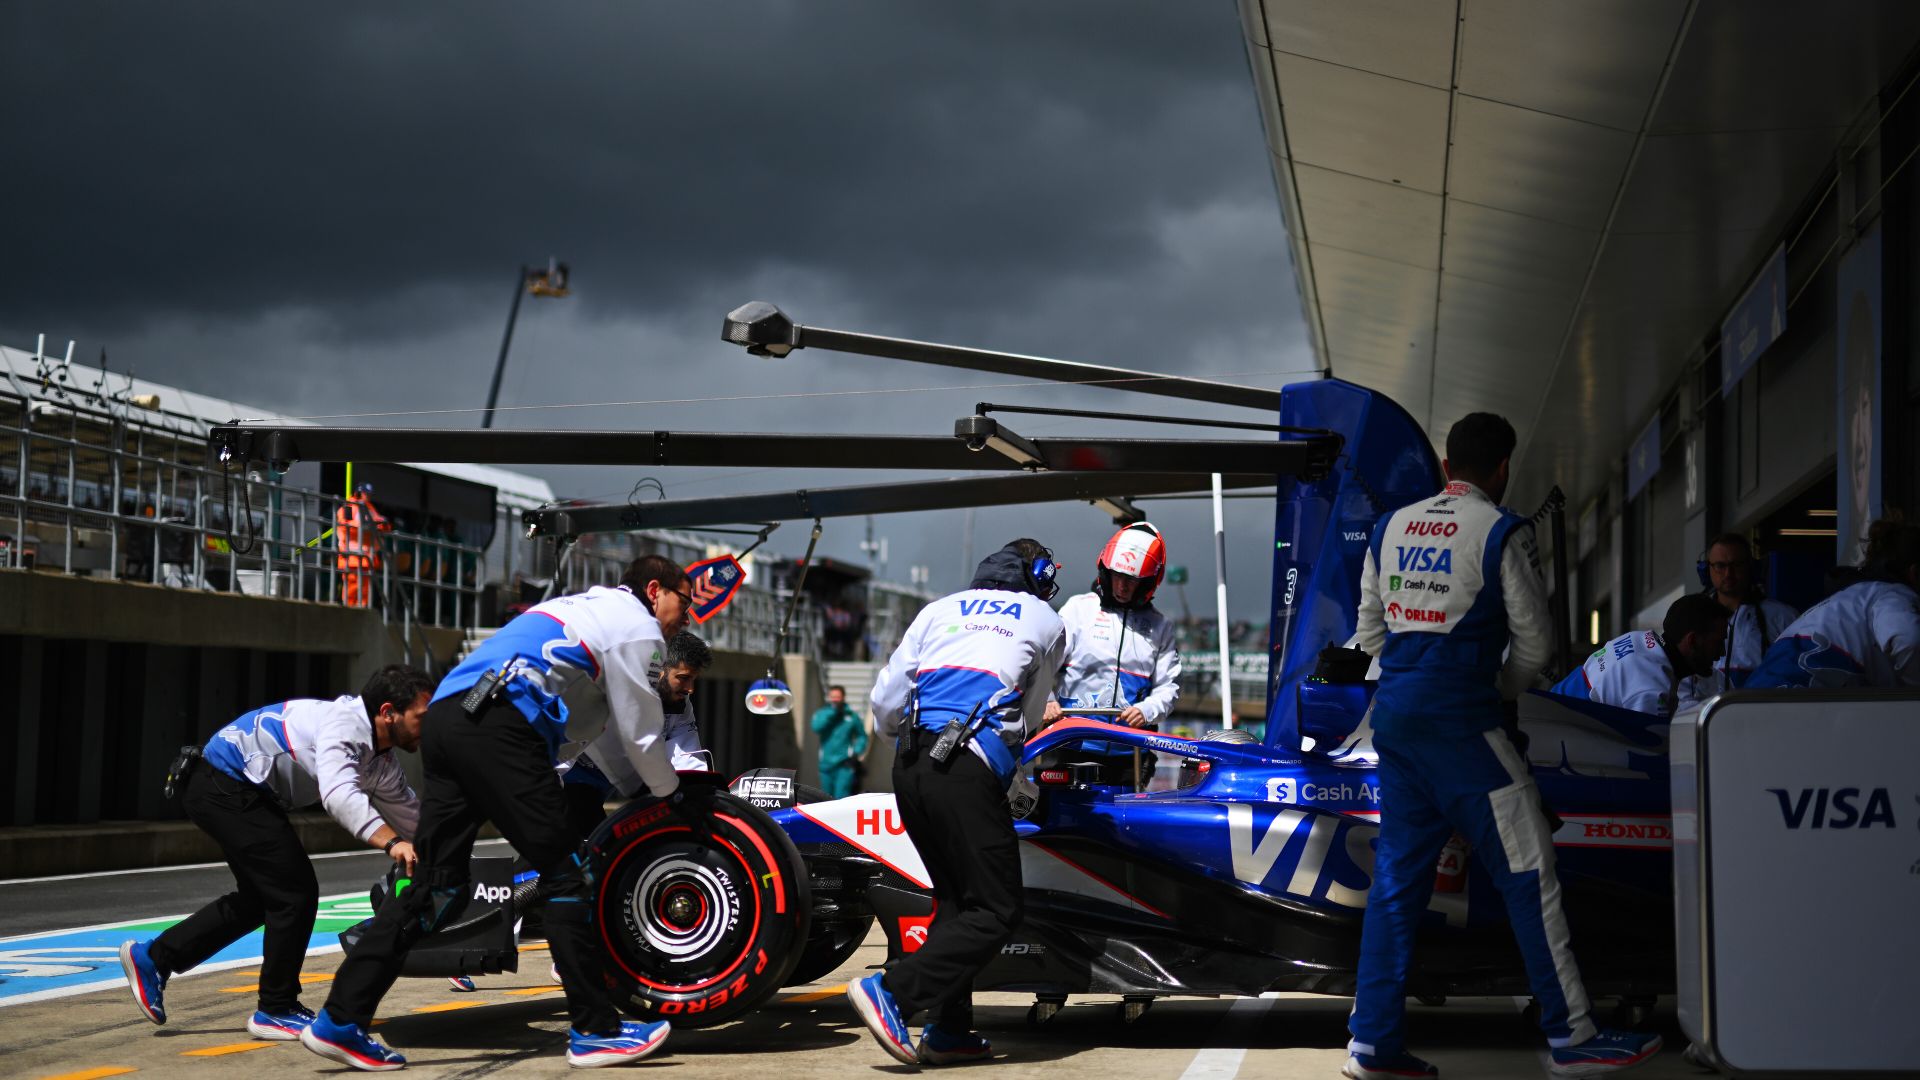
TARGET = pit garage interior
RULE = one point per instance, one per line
(1625, 226)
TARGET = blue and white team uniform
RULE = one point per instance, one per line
(1633, 671)
(580, 666)
(978, 649)
(1867, 634)
(309, 751)
(1453, 605)
(604, 765)
(1755, 626)
(1118, 658)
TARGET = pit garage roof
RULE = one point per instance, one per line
(1543, 208)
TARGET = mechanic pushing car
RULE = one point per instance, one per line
(1868, 633)
(1121, 651)
(1726, 574)
(1449, 583)
(569, 667)
(971, 677)
(602, 769)
(238, 790)
(1642, 671)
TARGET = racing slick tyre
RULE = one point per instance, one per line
(702, 903)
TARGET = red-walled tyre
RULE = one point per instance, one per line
(703, 905)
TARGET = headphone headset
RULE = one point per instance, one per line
(1041, 575)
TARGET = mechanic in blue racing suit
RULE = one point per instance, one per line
(1758, 619)
(979, 661)
(1642, 671)
(1868, 633)
(561, 673)
(1450, 585)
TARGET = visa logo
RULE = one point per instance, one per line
(1426, 560)
(990, 607)
(1833, 808)
(1354, 536)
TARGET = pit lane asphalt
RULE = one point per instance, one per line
(513, 1026)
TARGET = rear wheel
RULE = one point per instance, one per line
(702, 904)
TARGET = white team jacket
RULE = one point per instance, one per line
(309, 751)
(1630, 672)
(682, 739)
(1752, 629)
(982, 647)
(1118, 658)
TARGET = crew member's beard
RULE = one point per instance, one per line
(669, 703)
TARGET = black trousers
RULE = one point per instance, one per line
(956, 816)
(493, 767)
(274, 886)
(586, 808)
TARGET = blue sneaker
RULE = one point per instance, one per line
(144, 980)
(1608, 1051)
(348, 1044)
(871, 1000)
(1398, 1066)
(634, 1041)
(939, 1047)
(462, 984)
(283, 1026)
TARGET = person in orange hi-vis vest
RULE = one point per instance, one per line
(357, 547)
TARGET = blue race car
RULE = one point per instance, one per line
(1252, 875)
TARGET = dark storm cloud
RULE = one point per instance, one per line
(318, 209)
(223, 159)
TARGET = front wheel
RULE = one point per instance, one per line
(703, 906)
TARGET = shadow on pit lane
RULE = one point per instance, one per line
(777, 1027)
(539, 1024)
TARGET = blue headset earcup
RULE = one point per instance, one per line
(1706, 579)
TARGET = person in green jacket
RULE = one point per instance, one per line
(843, 743)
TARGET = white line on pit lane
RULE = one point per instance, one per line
(187, 866)
(1223, 1062)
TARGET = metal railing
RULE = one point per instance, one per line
(85, 492)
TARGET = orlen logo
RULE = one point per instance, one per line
(870, 822)
(1833, 808)
(913, 931)
(1414, 614)
(1432, 528)
(492, 894)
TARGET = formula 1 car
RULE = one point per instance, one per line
(1253, 877)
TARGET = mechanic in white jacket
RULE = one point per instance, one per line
(981, 661)
(561, 673)
(1642, 671)
(1758, 620)
(1867, 634)
(277, 758)
(1121, 651)
(602, 770)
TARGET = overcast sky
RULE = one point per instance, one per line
(321, 209)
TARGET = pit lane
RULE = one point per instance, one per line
(513, 1024)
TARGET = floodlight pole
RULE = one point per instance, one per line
(506, 342)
